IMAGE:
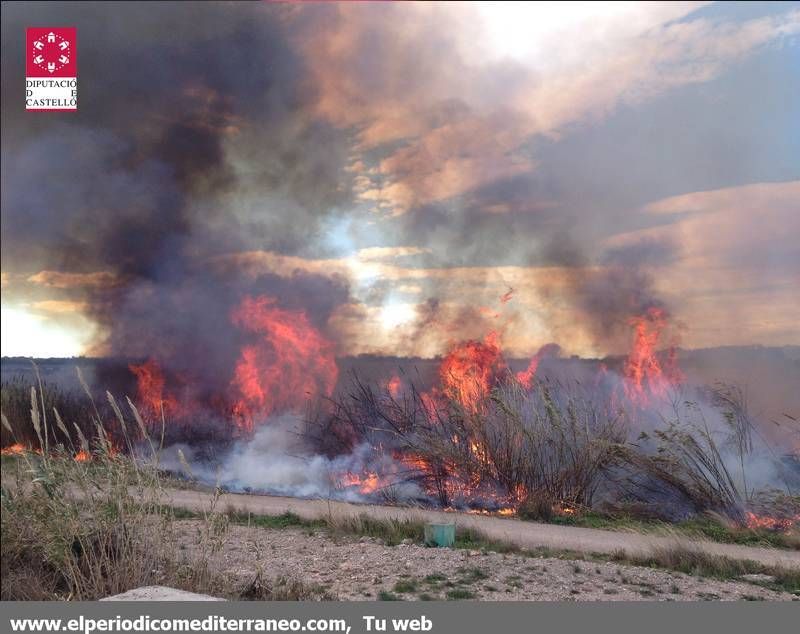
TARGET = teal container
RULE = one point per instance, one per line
(441, 535)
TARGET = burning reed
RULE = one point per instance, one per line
(502, 449)
(480, 438)
(556, 448)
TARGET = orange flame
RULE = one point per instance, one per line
(150, 387)
(368, 483)
(469, 369)
(644, 375)
(526, 376)
(765, 522)
(289, 360)
(83, 456)
(563, 508)
(394, 385)
(14, 450)
(502, 512)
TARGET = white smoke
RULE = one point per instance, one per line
(275, 461)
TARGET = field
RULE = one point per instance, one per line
(83, 519)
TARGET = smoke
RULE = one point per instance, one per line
(621, 286)
(208, 130)
(276, 460)
(195, 138)
(166, 160)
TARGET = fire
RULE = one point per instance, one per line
(526, 376)
(394, 385)
(415, 464)
(565, 509)
(469, 369)
(83, 456)
(502, 512)
(366, 484)
(150, 387)
(643, 372)
(477, 450)
(14, 450)
(288, 361)
(765, 522)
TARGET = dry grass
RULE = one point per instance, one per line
(82, 530)
(554, 440)
(564, 444)
(684, 558)
(701, 467)
(75, 408)
(392, 531)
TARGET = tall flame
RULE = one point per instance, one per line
(150, 387)
(643, 372)
(469, 369)
(288, 361)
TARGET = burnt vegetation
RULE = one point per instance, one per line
(559, 450)
(83, 480)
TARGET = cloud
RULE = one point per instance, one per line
(59, 306)
(464, 119)
(60, 279)
(356, 157)
(388, 253)
(736, 267)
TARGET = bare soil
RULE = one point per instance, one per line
(520, 533)
(352, 568)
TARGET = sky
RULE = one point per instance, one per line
(407, 174)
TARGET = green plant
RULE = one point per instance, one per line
(471, 575)
(405, 586)
(459, 593)
(392, 531)
(281, 589)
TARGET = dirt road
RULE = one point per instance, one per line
(523, 534)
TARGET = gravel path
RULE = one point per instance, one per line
(523, 534)
(352, 568)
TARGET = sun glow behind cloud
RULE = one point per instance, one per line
(30, 335)
(394, 315)
(552, 34)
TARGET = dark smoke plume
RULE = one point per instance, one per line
(194, 138)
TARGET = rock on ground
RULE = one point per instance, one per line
(160, 593)
(363, 568)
